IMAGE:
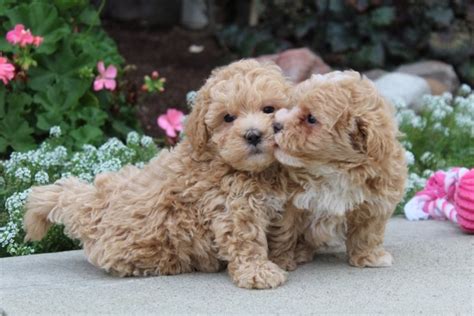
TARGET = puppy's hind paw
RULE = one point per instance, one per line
(259, 275)
(374, 259)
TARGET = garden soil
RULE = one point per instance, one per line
(167, 51)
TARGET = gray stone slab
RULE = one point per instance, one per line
(433, 274)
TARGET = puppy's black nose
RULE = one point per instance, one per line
(253, 137)
(277, 127)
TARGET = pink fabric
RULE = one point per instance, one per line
(464, 199)
(447, 195)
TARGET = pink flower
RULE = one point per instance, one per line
(20, 36)
(171, 122)
(106, 77)
(37, 40)
(7, 70)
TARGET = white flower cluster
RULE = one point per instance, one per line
(133, 138)
(410, 158)
(439, 106)
(146, 141)
(14, 206)
(55, 131)
(191, 98)
(409, 116)
(23, 174)
(48, 164)
(427, 157)
(464, 116)
(414, 182)
(41, 177)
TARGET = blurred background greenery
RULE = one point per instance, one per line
(358, 34)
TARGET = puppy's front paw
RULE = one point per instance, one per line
(259, 275)
(286, 262)
(304, 253)
(374, 259)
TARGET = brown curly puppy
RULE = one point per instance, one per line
(203, 204)
(340, 141)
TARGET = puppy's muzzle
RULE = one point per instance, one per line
(253, 137)
(277, 126)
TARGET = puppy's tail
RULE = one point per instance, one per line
(69, 202)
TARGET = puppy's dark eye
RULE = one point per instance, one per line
(268, 109)
(311, 119)
(229, 118)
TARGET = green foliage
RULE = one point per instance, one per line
(439, 136)
(48, 163)
(56, 88)
(362, 34)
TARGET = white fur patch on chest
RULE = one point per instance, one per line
(331, 194)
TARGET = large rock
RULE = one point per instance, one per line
(298, 64)
(397, 87)
(441, 75)
(375, 74)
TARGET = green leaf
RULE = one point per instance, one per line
(17, 101)
(336, 6)
(63, 69)
(49, 119)
(43, 20)
(383, 16)
(56, 99)
(121, 127)
(370, 56)
(87, 134)
(90, 115)
(89, 16)
(340, 37)
(16, 132)
(99, 46)
(3, 144)
(2, 101)
(70, 4)
(440, 16)
(304, 27)
(89, 99)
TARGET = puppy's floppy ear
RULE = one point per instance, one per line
(369, 138)
(358, 135)
(372, 127)
(195, 129)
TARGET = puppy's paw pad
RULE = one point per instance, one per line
(266, 275)
(378, 259)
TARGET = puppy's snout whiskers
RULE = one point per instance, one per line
(253, 137)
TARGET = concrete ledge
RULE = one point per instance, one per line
(433, 273)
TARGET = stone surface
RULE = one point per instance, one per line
(298, 64)
(397, 87)
(374, 74)
(433, 69)
(433, 273)
(194, 14)
(437, 87)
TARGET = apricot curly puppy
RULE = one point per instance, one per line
(203, 204)
(340, 143)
